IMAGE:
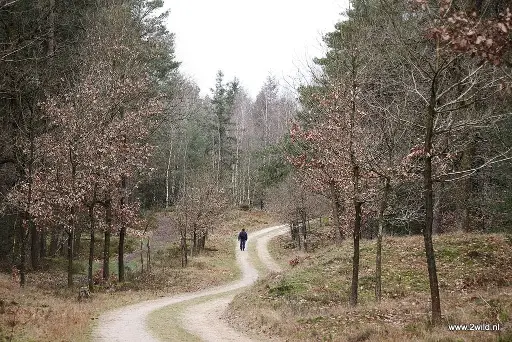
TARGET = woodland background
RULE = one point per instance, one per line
(403, 128)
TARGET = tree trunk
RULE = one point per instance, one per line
(106, 242)
(203, 240)
(54, 243)
(35, 245)
(91, 261)
(236, 175)
(336, 211)
(23, 253)
(91, 249)
(106, 255)
(51, 38)
(437, 223)
(174, 179)
(219, 157)
(167, 172)
(184, 258)
(27, 220)
(42, 245)
(77, 243)
(70, 257)
(355, 259)
(429, 209)
(122, 231)
(148, 256)
(467, 187)
(249, 181)
(194, 241)
(71, 231)
(356, 174)
(378, 259)
(120, 256)
(141, 255)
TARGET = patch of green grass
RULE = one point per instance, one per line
(286, 288)
(448, 253)
(165, 324)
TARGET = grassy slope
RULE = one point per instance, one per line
(309, 302)
(46, 311)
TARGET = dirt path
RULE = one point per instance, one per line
(129, 323)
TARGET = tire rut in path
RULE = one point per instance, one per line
(129, 323)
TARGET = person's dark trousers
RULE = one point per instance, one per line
(242, 245)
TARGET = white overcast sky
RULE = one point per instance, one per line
(249, 39)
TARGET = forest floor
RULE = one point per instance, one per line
(308, 301)
(46, 310)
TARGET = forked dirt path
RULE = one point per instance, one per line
(129, 323)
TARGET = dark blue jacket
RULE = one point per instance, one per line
(242, 236)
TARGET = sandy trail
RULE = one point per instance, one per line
(129, 323)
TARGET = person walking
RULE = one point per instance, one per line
(242, 237)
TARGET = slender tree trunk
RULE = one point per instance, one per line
(23, 253)
(356, 193)
(174, 178)
(120, 255)
(106, 242)
(42, 245)
(91, 248)
(194, 240)
(355, 259)
(437, 223)
(336, 211)
(184, 259)
(148, 258)
(51, 28)
(466, 188)
(167, 172)
(77, 243)
(70, 256)
(184, 173)
(122, 230)
(141, 255)
(35, 245)
(106, 255)
(378, 259)
(303, 217)
(27, 223)
(219, 157)
(62, 244)
(298, 233)
(54, 243)
(429, 209)
(249, 181)
(241, 194)
(236, 176)
(91, 261)
(71, 231)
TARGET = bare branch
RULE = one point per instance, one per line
(469, 172)
(7, 3)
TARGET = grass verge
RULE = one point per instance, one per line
(309, 302)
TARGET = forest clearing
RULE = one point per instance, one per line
(388, 159)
